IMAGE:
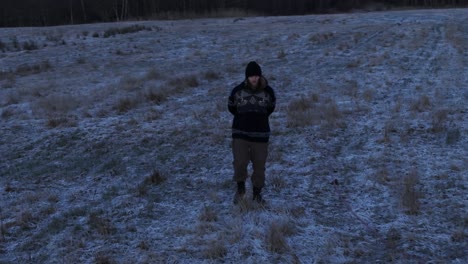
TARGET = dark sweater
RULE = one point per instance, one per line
(251, 109)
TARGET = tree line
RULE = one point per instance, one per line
(54, 12)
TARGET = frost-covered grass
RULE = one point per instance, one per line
(117, 149)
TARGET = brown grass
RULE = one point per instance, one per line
(309, 111)
(410, 196)
(103, 258)
(125, 30)
(422, 104)
(216, 249)
(130, 83)
(156, 95)
(211, 75)
(453, 136)
(57, 104)
(153, 114)
(208, 214)
(153, 74)
(354, 64)
(155, 178)
(126, 104)
(368, 95)
(12, 98)
(275, 237)
(351, 88)
(439, 119)
(143, 245)
(56, 225)
(297, 211)
(7, 113)
(382, 176)
(459, 236)
(393, 238)
(180, 84)
(320, 38)
(9, 79)
(455, 35)
(29, 69)
(277, 182)
(300, 111)
(100, 224)
(61, 121)
(281, 54)
(25, 219)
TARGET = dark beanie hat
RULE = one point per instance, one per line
(253, 69)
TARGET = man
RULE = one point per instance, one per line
(251, 102)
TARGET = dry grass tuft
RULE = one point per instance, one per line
(216, 249)
(131, 83)
(9, 78)
(103, 258)
(28, 69)
(381, 176)
(281, 54)
(246, 205)
(208, 214)
(411, 195)
(351, 88)
(439, 119)
(320, 38)
(275, 237)
(212, 75)
(156, 95)
(30, 45)
(368, 95)
(101, 225)
(297, 211)
(277, 182)
(455, 35)
(143, 245)
(7, 113)
(180, 84)
(422, 104)
(153, 74)
(25, 220)
(61, 121)
(155, 178)
(393, 237)
(57, 104)
(56, 225)
(459, 236)
(453, 136)
(301, 111)
(354, 63)
(125, 30)
(126, 104)
(153, 114)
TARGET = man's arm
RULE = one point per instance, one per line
(232, 103)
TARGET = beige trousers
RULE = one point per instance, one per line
(245, 151)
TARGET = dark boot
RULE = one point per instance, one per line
(240, 192)
(257, 196)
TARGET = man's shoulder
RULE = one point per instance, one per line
(269, 89)
(238, 87)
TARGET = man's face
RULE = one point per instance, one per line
(254, 80)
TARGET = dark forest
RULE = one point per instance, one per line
(57, 12)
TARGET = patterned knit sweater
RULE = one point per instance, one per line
(251, 109)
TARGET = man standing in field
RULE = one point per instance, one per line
(251, 102)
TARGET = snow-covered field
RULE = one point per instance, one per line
(117, 150)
